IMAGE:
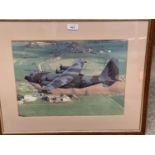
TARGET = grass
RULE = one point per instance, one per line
(87, 105)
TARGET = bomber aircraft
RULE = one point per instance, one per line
(71, 77)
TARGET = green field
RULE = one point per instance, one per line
(27, 59)
(90, 105)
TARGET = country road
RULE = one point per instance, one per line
(117, 88)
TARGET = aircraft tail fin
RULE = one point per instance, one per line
(110, 73)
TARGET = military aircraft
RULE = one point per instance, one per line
(71, 77)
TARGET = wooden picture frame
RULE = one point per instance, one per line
(136, 36)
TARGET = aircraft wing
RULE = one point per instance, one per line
(75, 69)
(57, 83)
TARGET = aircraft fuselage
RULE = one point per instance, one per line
(79, 81)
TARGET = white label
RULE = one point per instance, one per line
(73, 27)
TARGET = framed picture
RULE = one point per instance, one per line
(74, 76)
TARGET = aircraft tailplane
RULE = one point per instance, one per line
(110, 73)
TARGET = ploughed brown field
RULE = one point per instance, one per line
(115, 89)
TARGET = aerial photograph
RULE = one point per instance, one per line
(70, 77)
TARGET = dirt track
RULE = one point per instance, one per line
(116, 88)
